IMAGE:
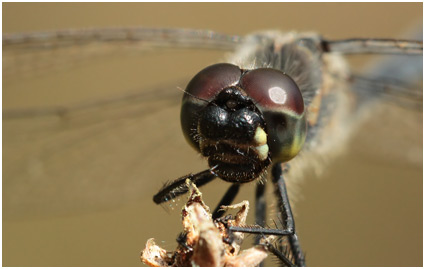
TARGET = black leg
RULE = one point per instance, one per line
(286, 214)
(287, 221)
(282, 254)
(260, 230)
(284, 208)
(182, 239)
(227, 199)
(260, 210)
(178, 187)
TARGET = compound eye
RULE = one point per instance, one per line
(281, 102)
(200, 91)
(213, 79)
(271, 89)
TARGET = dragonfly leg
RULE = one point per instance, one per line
(286, 214)
(181, 240)
(260, 207)
(287, 221)
(178, 186)
(260, 210)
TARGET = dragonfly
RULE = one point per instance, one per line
(43, 144)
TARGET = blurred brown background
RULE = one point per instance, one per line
(364, 210)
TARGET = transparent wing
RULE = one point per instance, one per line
(29, 54)
(390, 91)
(372, 45)
(396, 78)
(68, 146)
(85, 157)
(140, 36)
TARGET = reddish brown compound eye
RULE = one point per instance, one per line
(272, 89)
(281, 102)
(201, 90)
(212, 80)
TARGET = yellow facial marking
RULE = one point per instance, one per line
(260, 137)
(262, 151)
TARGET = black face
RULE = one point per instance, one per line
(233, 117)
(227, 127)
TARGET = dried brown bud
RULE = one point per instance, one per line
(206, 242)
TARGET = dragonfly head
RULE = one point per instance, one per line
(243, 120)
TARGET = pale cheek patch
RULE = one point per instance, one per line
(262, 151)
(260, 137)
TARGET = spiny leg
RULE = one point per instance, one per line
(287, 221)
(281, 254)
(178, 187)
(260, 210)
(286, 213)
(260, 207)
